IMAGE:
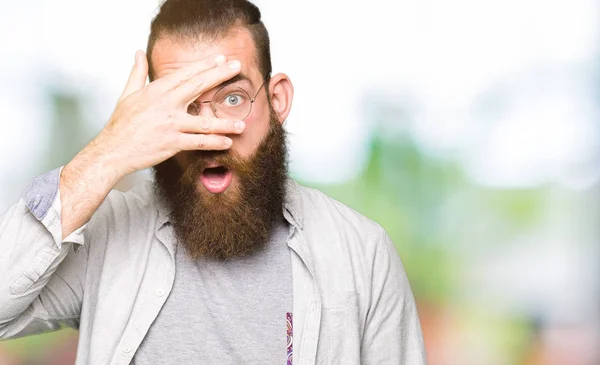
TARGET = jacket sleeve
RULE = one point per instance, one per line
(41, 275)
(392, 332)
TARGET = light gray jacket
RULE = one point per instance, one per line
(109, 279)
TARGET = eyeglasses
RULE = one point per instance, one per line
(230, 102)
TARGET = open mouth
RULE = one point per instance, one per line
(216, 179)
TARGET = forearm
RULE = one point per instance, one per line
(84, 184)
(43, 233)
(31, 250)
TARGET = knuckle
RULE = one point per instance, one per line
(165, 142)
(198, 86)
(143, 94)
(150, 91)
(201, 140)
(170, 122)
(206, 124)
(178, 142)
(161, 102)
(187, 74)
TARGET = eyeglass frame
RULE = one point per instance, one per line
(252, 100)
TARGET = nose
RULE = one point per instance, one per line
(206, 110)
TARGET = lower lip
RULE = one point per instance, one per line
(216, 186)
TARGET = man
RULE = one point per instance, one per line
(222, 259)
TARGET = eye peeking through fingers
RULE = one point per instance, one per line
(233, 100)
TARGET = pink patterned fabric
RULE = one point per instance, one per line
(290, 338)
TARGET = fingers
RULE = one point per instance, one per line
(138, 75)
(191, 89)
(205, 142)
(176, 78)
(209, 125)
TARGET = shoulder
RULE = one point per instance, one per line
(344, 244)
(331, 219)
(123, 211)
(138, 200)
(340, 239)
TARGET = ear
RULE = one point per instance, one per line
(281, 92)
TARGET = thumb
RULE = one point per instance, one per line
(138, 75)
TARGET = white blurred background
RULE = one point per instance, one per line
(469, 129)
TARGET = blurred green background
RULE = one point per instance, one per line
(469, 130)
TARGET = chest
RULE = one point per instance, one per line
(128, 288)
(224, 311)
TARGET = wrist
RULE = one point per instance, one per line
(94, 168)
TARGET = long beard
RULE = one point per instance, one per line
(238, 221)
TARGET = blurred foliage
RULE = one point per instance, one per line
(36, 348)
(433, 212)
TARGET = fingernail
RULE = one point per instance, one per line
(239, 126)
(227, 142)
(234, 65)
(220, 59)
(137, 56)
